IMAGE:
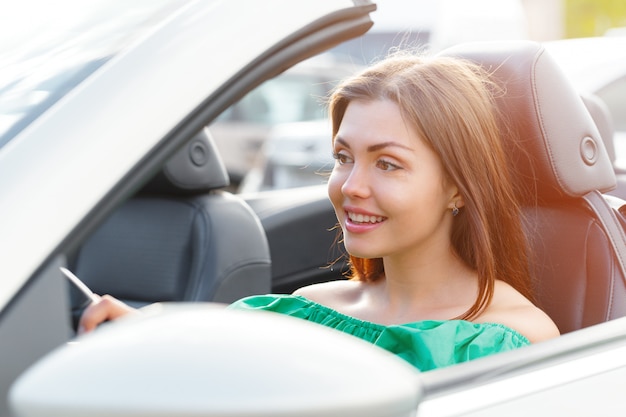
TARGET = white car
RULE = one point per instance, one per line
(294, 155)
(106, 167)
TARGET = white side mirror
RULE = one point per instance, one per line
(204, 360)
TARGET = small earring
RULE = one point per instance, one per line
(455, 210)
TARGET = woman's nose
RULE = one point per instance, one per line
(356, 183)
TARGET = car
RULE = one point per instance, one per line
(294, 155)
(107, 168)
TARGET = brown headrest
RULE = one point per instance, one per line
(554, 144)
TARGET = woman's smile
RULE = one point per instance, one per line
(361, 223)
(360, 218)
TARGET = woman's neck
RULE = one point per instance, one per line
(436, 288)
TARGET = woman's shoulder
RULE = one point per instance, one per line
(333, 294)
(512, 309)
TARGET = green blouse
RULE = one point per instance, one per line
(426, 344)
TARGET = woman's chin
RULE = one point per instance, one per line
(360, 252)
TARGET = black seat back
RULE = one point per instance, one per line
(561, 167)
(180, 238)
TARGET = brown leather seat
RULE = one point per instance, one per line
(561, 166)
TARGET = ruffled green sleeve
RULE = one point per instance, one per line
(426, 345)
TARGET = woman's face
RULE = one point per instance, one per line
(389, 190)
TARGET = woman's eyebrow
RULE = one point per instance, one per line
(376, 147)
(379, 146)
(342, 142)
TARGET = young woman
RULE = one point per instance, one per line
(425, 203)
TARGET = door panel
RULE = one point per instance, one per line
(300, 227)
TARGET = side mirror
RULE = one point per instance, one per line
(205, 360)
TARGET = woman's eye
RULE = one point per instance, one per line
(341, 158)
(386, 165)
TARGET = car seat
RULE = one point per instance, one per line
(602, 117)
(180, 238)
(561, 168)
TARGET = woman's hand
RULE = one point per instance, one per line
(106, 308)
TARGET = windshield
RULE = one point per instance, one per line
(48, 48)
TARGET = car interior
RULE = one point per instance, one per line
(180, 238)
(183, 238)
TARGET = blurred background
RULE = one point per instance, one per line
(278, 136)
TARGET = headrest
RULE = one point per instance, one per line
(604, 122)
(195, 168)
(554, 144)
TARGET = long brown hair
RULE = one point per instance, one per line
(450, 102)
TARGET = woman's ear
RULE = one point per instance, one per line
(456, 199)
